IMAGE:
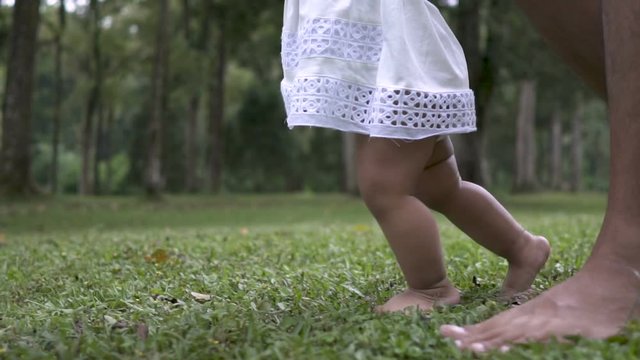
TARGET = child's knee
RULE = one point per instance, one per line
(378, 193)
(372, 189)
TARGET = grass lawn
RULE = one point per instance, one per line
(277, 276)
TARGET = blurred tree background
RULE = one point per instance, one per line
(182, 96)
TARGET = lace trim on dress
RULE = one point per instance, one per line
(332, 38)
(380, 106)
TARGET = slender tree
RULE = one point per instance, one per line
(15, 157)
(57, 111)
(93, 103)
(106, 146)
(233, 22)
(216, 102)
(525, 176)
(191, 126)
(577, 146)
(556, 150)
(99, 148)
(349, 154)
(478, 52)
(154, 181)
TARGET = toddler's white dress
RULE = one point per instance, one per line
(384, 68)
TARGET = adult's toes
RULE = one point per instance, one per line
(487, 337)
(501, 343)
(453, 331)
(505, 334)
(478, 348)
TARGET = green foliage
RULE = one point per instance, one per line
(5, 26)
(283, 277)
(115, 171)
(323, 161)
(597, 149)
(260, 153)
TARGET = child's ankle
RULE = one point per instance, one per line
(443, 284)
(443, 291)
(519, 250)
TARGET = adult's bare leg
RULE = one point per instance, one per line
(599, 300)
(573, 28)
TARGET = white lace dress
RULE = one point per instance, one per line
(385, 68)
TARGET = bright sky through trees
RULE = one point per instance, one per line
(71, 5)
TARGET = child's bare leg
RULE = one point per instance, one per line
(476, 212)
(388, 172)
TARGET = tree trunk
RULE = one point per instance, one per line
(191, 126)
(98, 154)
(556, 150)
(577, 147)
(57, 112)
(470, 148)
(525, 177)
(88, 147)
(349, 153)
(191, 148)
(153, 180)
(15, 155)
(107, 148)
(216, 104)
(93, 104)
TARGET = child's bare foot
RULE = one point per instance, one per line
(525, 267)
(425, 300)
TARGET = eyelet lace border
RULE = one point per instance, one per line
(353, 107)
(332, 38)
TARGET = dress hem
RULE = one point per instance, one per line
(372, 130)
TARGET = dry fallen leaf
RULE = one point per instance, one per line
(201, 297)
(169, 299)
(109, 320)
(115, 324)
(142, 331)
(120, 324)
(159, 256)
(78, 327)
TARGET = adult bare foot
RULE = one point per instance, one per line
(425, 300)
(599, 300)
(596, 303)
(524, 269)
